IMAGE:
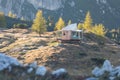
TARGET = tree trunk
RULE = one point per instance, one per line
(39, 35)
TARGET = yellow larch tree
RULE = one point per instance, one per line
(39, 23)
(80, 26)
(14, 16)
(10, 14)
(87, 25)
(60, 24)
(99, 30)
(69, 22)
(22, 18)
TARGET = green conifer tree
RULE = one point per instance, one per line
(2, 20)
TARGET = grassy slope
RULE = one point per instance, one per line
(78, 59)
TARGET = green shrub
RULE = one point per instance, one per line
(98, 60)
(101, 43)
(20, 25)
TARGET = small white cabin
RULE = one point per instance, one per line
(71, 32)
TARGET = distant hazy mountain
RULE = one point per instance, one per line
(102, 11)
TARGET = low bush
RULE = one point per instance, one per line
(20, 25)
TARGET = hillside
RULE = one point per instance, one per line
(78, 59)
(11, 21)
(106, 12)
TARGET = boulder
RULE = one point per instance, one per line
(41, 71)
(29, 70)
(33, 65)
(107, 66)
(59, 72)
(92, 78)
(6, 61)
(97, 72)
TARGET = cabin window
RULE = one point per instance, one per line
(63, 33)
(77, 34)
(74, 33)
(81, 35)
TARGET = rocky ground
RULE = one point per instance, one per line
(78, 59)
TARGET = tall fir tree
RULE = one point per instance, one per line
(2, 20)
(60, 24)
(39, 23)
(88, 22)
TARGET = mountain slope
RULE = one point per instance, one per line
(102, 11)
(81, 58)
(18, 7)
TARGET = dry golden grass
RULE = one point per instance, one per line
(78, 59)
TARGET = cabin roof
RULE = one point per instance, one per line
(71, 27)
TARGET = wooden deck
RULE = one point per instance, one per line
(69, 41)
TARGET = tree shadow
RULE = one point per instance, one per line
(71, 57)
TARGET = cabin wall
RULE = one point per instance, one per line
(71, 35)
(66, 35)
